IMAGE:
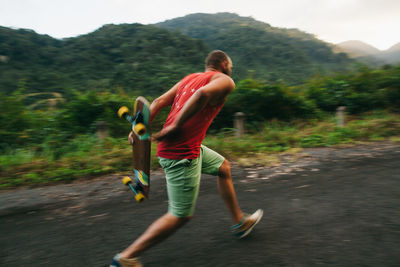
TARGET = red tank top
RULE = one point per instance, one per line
(187, 144)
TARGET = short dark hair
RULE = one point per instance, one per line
(216, 58)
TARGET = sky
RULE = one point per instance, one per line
(376, 22)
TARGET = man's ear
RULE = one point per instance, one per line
(224, 65)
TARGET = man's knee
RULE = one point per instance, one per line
(225, 170)
(185, 218)
(180, 216)
(181, 220)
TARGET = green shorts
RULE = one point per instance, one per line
(183, 179)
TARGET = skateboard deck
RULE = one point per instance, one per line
(141, 148)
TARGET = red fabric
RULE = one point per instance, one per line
(187, 144)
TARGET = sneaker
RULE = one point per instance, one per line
(118, 261)
(247, 224)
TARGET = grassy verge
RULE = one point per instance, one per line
(86, 156)
(264, 142)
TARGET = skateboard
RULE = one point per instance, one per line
(141, 148)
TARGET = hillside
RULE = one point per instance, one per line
(394, 48)
(356, 49)
(368, 54)
(271, 53)
(391, 55)
(147, 59)
(132, 57)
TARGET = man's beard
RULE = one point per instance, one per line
(227, 71)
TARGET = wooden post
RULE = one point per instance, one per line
(101, 130)
(239, 123)
(340, 116)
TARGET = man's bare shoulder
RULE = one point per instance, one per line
(222, 77)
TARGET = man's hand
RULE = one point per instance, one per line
(168, 133)
(130, 138)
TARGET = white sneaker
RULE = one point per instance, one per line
(247, 224)
(118, 261)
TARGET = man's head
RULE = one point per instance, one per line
(219, 61)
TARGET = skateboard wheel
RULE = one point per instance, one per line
(139, 197)
(126, 180)
(140, 129)
(122, 111)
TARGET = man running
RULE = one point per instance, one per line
(195, 101)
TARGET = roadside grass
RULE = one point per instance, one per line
(262, 143)
(86, 156)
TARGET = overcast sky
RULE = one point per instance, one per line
(376, 22)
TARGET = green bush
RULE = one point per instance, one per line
(14, 121)
(261, 101)
(313, 140)
(363, 91)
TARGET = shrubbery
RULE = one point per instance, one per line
(364, 91)
(51, 137)
(58, 120)
(55, 125)
(261, 101)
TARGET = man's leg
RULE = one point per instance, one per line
(157, 232)
(243, 224)
(227, 191)
(183, 180)
(215, 164)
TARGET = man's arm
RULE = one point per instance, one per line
(159, 103)
(213, 93)
(163, 101)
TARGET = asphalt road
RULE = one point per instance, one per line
(337, 207)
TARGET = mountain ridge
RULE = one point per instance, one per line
(369, 54)
(113, 57)
(275, 53)
(148, 59)
(393, 48)
(358, 48)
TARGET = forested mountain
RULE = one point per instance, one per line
(272, 53)
(394, 48)
(391, 55)
(355, 48)
(148, 59)
(370, 55)
(131, 57)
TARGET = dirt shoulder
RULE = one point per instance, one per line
(101, 188)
